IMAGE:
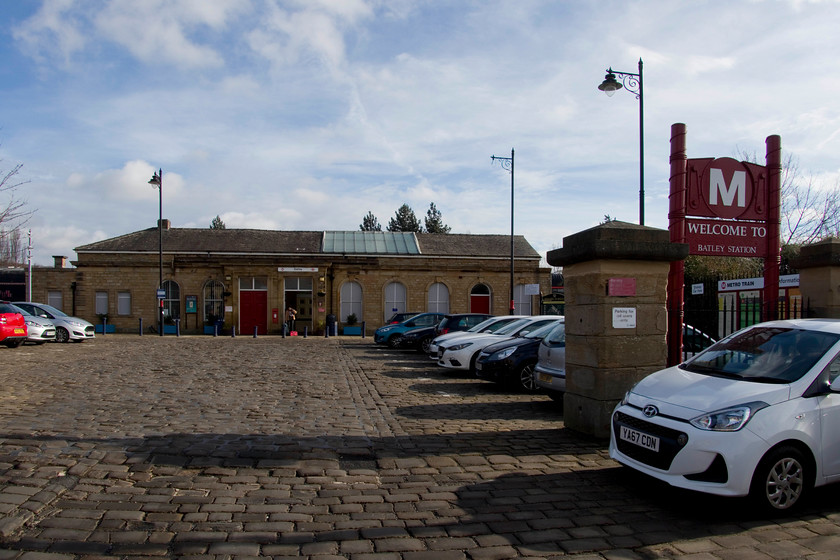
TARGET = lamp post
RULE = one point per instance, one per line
(157, 182)
(507, 163)
(632, 83)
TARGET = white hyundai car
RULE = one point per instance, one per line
(461, 353)
(755, 414)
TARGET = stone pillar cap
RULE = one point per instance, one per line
(618, 241)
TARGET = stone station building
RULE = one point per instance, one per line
(245, 279)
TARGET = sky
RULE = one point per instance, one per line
(308, 114)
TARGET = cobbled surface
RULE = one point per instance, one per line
(221, 447)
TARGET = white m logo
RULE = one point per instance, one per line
(727, 194)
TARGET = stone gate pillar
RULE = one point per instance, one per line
(616, 277)
(819, 278)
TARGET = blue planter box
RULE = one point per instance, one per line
(108, 328)
(352, 331)
(170, 329)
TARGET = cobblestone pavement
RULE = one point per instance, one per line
(205, 447)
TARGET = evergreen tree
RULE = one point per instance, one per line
(434, 221)
(370, 223)
(405, 220)
(217, 223)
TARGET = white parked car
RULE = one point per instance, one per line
(67, 328)
(755, 414)
(462, 352)
(550, 371)
(38, 329)
(487, 326)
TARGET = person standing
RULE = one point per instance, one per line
(290, 318)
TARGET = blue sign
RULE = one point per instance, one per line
(161, 294)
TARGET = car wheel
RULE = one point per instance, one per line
(425, 344)
(526, 378)
(394, 341)
(61, 335)
(781, 481)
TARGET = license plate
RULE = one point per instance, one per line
(638, 438)
(20, 331)
(545, 378)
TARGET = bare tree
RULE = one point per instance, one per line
(12, 215)
(810, 212)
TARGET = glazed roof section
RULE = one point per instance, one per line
(370, 242)
(271, 242)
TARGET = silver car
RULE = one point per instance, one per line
(550, 371)
(38, 329)
(67, 328)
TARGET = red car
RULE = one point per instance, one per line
(12, 326)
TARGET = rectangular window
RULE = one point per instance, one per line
(101, 303)
(123, 303)
(299, 284)
(54, 299)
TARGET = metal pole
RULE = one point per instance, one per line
(160, 249)
(641, 148)
(511, 232)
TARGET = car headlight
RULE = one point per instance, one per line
(460, 346)
(31, 324)
(729, 419)
(76, 324)
(502, 354)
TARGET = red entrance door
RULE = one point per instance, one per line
(253, 312)
(480, 303)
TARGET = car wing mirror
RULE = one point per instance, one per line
(835, 385)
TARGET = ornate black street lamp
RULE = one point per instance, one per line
(157, 182)
(632, 83)
(507, 163)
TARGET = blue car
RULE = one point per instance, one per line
(391, 334)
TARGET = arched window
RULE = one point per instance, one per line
(394, 299)
(521, 301)
(214, 303)
(171, 302)
(351, 301)
(438, 298)
(480, 299)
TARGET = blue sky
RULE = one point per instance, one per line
(305, 115)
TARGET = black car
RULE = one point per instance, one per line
(512, 362)
(419, 339)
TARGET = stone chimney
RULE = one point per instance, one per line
(164, 224)
(59, 261)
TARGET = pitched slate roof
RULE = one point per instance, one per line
(253, 241)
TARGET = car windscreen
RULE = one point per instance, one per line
(769, 354)
(541, 332)
(16, 309)
(513, 327)
(52, 310)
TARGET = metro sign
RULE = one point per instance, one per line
(733, 195)
(726, 188)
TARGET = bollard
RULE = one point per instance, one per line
(283, 332)
(177, 327)
(364, 328)
(141, 326)
(104, 325)
(327, 332)
(215, 330)
(335, 329)
(255, 332)
(233, 331)
(305, 331)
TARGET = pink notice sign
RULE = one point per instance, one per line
(621, 287)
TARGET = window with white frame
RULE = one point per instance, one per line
(123, 303)
(394, 299)
(214, 301)
(351, 301)
(522, 300)
(438, 298)
(54, 298)
(171, 301)
(101, 303)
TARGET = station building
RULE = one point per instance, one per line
(244, 279)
